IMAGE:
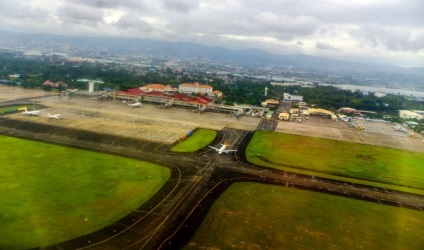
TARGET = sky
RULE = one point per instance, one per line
(384, 31)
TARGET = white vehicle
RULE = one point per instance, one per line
(55, 116)
(136, 104)
(32, 112)
(222, 149)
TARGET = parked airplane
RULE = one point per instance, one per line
(32, 112)
(72, 90)
(56, 116)
(222, 149)
(136, 104)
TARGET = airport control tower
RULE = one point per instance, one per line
(91, 84)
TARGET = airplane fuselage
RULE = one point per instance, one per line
(34, 113)
(222, 149)
(56, 116)
(137, 104)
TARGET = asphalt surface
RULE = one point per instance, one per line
(172, 216)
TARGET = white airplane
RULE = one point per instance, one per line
(222, 149)
(55, 116)
(72, 90)
(136, 104)
(32, 112)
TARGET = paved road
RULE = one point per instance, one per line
(191, 188)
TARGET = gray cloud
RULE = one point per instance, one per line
(17, 10)
(325, 46)
(183, 6)
(78, 14)
(282, 27)
(379, 28)
(108, 4)
(397, 39)
(133, 22)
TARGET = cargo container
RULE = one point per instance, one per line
(182, 138)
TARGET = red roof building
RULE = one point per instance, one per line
(158, 96)
(54, 84)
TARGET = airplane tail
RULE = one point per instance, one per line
(26, 110)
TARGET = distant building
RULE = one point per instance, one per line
(411, 124)
(157, 87)
(195, 88)
(284, 116)
(216, 93)
(406, 114)
(294, 111)
(321, 113)
(292, 82)
(288, 97)
(268, 77)
(14, 76)
(379, 94)
(270, 103)
(303, 105)
(421, 112)
(54, 84)
(178, 99)
(346, 111)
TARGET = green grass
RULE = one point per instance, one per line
(324, 157)
(51, 193)
(259, 216)
(200, 139)
(13, 108)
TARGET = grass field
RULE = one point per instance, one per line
(340, 159)
(14, 108)
(200, 139)
(259, 216)
(50, 193)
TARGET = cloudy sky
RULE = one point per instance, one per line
(388, 31)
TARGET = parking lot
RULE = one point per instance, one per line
(381, 134)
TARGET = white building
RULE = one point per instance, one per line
(297, 98)
(157, 87)
(195, 88)
(379, 94)
(421, 112)
(406, 114)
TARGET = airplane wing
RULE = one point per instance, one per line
(217, 149)
(232, 150)
(55, 116)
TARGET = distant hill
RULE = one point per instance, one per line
(413, 77)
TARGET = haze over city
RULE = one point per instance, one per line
(388, 32)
